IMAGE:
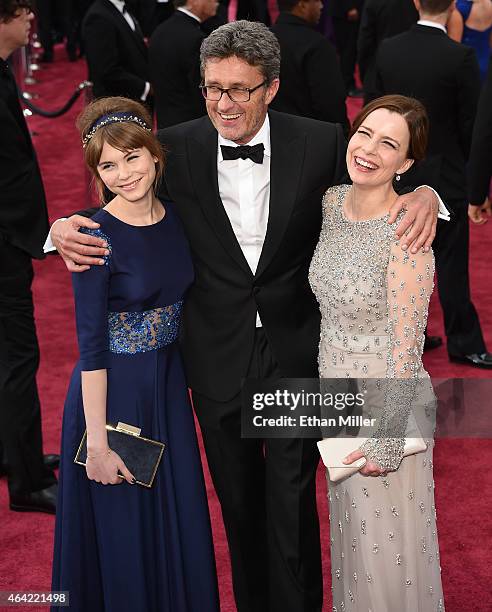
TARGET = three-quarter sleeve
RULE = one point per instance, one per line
(410, 280)
(91, 289)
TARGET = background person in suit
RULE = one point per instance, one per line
(425, 64)
(311, 83)
(345, 15)
(248, 183)
(380, 19)
(151, 13)
(116, 52)
(23, 222)
(480, 162)
(64, 13)
(174, 58)
(79, 9)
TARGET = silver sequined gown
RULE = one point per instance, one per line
(374, 300)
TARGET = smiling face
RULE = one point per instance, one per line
(129, 174)
(378, 149)
(238, 121)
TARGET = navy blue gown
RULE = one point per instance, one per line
(124, 547)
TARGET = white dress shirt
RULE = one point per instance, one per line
(244, 188)
(432, 24)
(120, 5)
(184, 10)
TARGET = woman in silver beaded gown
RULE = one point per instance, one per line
(374, 300)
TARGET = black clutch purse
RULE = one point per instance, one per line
(141, 455)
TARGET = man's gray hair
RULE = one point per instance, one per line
(248, 40)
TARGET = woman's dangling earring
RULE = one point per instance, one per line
(397, 177)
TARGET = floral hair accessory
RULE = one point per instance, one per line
(113, 118)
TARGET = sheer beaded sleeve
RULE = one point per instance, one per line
(333, 196)
(91, 311)
(409, 286)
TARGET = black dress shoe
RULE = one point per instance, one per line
(477, 360)
(432, 342)
(38, 501)
(51, 461)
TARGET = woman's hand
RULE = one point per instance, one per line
(369, 468)
(417, 229)
(103, 466)
(79, 251)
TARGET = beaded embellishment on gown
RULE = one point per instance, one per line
(374, 300)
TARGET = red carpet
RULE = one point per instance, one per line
(461, 466)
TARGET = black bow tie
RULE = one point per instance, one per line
(254, 153)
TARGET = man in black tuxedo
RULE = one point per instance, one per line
(426, 64)
(247, 183)
(345, 15)
(381, 19)
(115, 51)
(174, 58)
(480, 162)
(310, 75)
(23, 223)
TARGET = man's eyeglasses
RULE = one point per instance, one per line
(236, 94)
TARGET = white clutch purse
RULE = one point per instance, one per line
(334, 450)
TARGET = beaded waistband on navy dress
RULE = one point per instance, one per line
(140, 332)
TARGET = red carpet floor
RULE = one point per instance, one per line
(463, 491)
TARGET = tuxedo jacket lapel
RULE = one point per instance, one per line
(123, 25)
(202, 156)
(285, 171)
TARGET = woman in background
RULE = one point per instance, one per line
(471, 24)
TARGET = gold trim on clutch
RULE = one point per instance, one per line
(125, 428)
(128, 430)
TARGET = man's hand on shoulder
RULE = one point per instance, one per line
(418, 226)
(79, 251)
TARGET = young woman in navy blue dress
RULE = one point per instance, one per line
(120, 546)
